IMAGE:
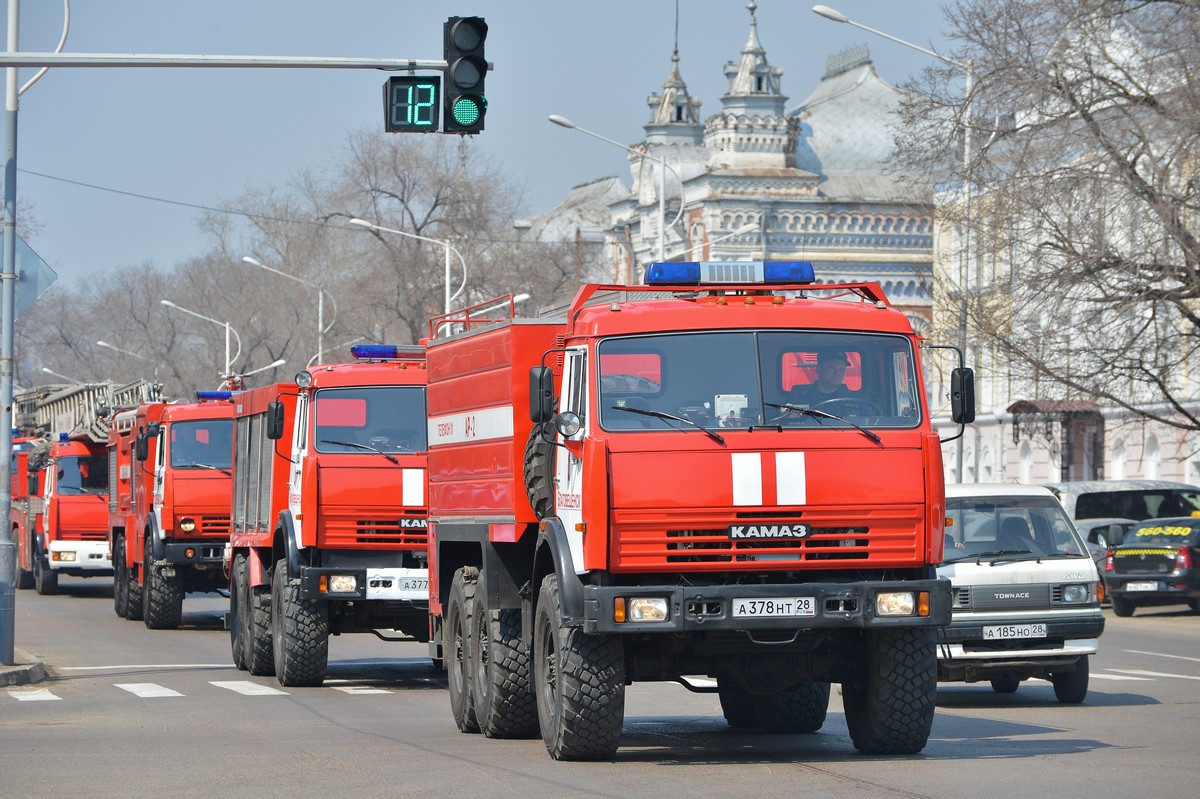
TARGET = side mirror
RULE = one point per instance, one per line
(32, 484)
(541, 394)
(141, 446)
(962, 395)
(275, 420)
(154, 429)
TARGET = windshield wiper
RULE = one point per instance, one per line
(998, 556)
(355, 444)
(210, 466)
(661, 415)
(823, 415)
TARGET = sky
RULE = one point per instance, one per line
(115, 164)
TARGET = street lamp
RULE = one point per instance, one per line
(332, 349)
(228, 361)
(746, 228)
(967, 67)
(50, 371)
(364, 223)
(320, 299)
(271, 365)
(662, 180)
(115, 348)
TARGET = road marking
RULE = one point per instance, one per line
(1096, 676)
(36, 695)
(146, 690)
(1157, 674)
(247, 688)
(1161, 655)
(148, 666)
(358, 689)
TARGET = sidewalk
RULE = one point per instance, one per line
(24, 671)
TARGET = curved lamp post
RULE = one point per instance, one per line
(320, 299)
(228, 330)
(371, 225)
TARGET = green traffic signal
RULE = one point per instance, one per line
(463, 101)
(468, 110)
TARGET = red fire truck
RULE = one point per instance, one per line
(59, 515)
(647, 487)
(172, 484)
(329, 520)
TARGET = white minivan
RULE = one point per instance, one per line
(1026, 592)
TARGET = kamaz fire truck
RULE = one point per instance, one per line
(59, 514)
(647, 488)
(329, 524)
(170, 464)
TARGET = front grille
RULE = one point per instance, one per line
(349, 530)
(214, 526)
(83, 535)
(962, 598)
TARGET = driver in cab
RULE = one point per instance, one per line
(830, 382)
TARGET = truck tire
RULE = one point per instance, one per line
(1071, 687)
(1122, 607)
(162, 593)
(539, 469)
(797, 708)
(133, 602)
(456, 649)
(120, 577)
(45, 579)
(736, 704)
(889, 704)
(256, 628)
(1005, 685)
(237, 610)
(579, 682)
(299, 632)
(24, 580)
(504, 705)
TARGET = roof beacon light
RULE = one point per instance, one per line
(691, 273)
(63, 438)
(387, 352)
(202, 396)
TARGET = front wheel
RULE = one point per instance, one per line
(1122, 606)
(162, 593)
(45, 579)
(579, 681)
(889, 704)
(299, 632)
(1071, 687)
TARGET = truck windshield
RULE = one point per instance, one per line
(991, 528)
(82, 474)
(200, 444)
(366, 421)
(766, 378)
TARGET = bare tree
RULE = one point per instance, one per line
(1078, 213)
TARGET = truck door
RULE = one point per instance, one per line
(568, 467)
(300, 436)
(160, 474)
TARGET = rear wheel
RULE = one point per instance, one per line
(299, 632)
(237, 609)
(120, 575)
(797, 708)
(889, 704)
(579, 681)
(505, 707)
(457, 648)
(1122, 606)
(736, 704)
(162, 593)
(45, 579)
(256, 628)
(24, 579)
(1194, 604)
(1005, 685)
(1071, 687)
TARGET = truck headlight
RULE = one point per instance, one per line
(338, 584)
(187, 524)
(1075, 593)
(640, 609)
(63, 557)
(902, 603)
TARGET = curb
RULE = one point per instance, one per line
(25, 670)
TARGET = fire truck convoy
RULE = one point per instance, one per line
(59, 517)
(169, 464)
(329, 515)
(649, 488)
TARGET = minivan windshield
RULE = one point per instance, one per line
(999, 527)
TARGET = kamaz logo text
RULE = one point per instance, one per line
(768, 531)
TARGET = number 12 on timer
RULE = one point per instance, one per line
(412, 103)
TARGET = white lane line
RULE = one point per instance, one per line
(247, 688)
(36, 695)
(1161, 655)
(1096, 676)
(358, 689)
(1157, 674)
(148, 666)
(146, 690)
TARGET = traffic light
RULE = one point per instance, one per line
(464, 104)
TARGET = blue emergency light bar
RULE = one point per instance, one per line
(201, 396)
(386, 352)
(63, 438)
(694, 273)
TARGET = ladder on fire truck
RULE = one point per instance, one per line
(80, 410)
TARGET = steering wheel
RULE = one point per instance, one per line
(854, 406)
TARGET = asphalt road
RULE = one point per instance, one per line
(132, 712)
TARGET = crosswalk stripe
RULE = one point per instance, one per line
(1162, 655)
(36, 695)
(247, 688)
(146, 690)
(359, 689)
(1158, 674)
(1096, 676)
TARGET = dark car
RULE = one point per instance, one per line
(1101, 535)
(1158, 563)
